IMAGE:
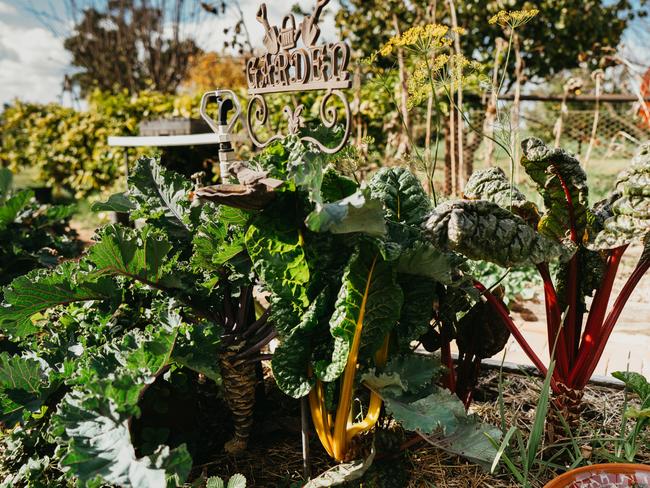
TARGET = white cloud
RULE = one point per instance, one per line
(209, 33)
(6, 9)
(32, 63)
(33, 60)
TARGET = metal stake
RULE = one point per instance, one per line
(304, 434)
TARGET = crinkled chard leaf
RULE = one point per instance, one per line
(627, 212)
(548, 168)
(275, 246)
(292, 357)
(355, 213)
(493, 185)
(369, 300)
(483, 230)
(401, 194)
(481, 332)
(417, 310)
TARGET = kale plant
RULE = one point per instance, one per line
(31, 235)
(172, 294)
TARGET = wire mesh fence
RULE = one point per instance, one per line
(612, 131)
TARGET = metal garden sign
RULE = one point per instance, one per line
(295, 62)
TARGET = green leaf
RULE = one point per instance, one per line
(369, 298)
(140, 255)
(275, 247)
(356, 213)
(118, 202)
(408, 373)
(95, 446)
(336, 186)
(40, 290)
(401, 194)
(471, 440)
(343, 472)
(161, 195)
(305, 167)
(422, 259)
(12, 207)
(6, 181)
(291, 357)
(440, 410)
(548, 167)
(91, 424)
(417, 311)
(24, 386)
(237, 480)
(218, 239)
(483, 230)
(492, 184)
(214, 482)
(629, 207)
(198, 350)
(634, 382)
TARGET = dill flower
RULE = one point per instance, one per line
(513, 18)
(419, 38)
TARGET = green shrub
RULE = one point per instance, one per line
(70, 148)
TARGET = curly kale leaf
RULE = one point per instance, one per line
(483, 230)
(550, 168)
(91, 424)
(24, 387)
(626, 213)
(401, 194)
(40, 290)
(492, 184)
(162, 197)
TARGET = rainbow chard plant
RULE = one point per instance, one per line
(353, 283)
(496, 223)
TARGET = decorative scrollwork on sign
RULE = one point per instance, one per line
(285, 67)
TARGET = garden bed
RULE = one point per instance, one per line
(274, 459)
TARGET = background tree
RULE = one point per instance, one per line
(132, 44)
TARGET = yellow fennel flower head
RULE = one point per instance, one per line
(513, 18)
(418, 38)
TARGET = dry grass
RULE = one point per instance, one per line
(274, 456)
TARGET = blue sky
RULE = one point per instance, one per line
(33, 61)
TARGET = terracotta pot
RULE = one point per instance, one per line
(613, 475)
